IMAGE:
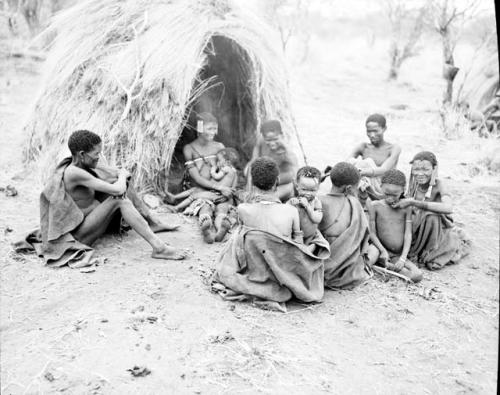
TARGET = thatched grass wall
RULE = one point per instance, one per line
(135, 71)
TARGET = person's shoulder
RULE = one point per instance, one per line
(394, 148)
(440, 187)
(75, 172)
(187, 149)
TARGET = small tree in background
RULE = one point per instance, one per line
(290, 17)
(403, 40)
(448, 19)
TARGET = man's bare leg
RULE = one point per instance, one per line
(155, 224)
(96, 222)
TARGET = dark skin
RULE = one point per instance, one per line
(205, 145)
(82, 186)
(384, 154)
(440, 201)
(272, 145)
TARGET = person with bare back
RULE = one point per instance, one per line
(373, 159)
(201, 157)
(271, 144)
(81, 201)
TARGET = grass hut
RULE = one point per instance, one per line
(137, 71)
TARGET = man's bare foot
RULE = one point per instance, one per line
(168, 253)
(158, 227)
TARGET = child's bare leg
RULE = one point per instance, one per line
(185, 203)
(222, 223)
(172, 198)
(411, 271)
(205, 222)
(372, 254)
(96, 222)
(155, 224)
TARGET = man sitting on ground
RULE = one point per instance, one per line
(373, 159)
(77, 206)
(345, 227)
(272, 145)
(391, 228)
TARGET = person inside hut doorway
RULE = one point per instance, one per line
(272, 145)
(200, 156)
(373, 159)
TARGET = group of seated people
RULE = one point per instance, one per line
(370, 216)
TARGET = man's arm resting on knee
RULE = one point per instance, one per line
(80, 177)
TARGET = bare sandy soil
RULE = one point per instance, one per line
(79, 333)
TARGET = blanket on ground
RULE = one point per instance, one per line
(59, 216)
(270, 267)
(436, 242)
(346, 267)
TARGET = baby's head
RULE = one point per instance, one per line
(307, 182)
(393, 186)
(228, 157)
(345, 176)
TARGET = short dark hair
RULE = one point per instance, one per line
(426, 155)
(377, 118)
(344, 173)
(264, 173)
(82, 140)
(271, 126)
(394, 177)
(231, 155)
(309, 172)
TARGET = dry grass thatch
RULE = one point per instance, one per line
(135, 71)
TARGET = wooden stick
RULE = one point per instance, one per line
(383, 270)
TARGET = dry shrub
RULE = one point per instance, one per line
(131, 70)
(454, 125)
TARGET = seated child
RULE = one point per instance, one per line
(307, 203)
(266, 212)
(391, 228)
(224, 173)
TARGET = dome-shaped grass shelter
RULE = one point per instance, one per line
(138, 71)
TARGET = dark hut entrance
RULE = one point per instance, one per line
(228, 97)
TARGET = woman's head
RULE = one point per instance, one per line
(423, 167)
(207, 126)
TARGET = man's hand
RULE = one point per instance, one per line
(399, 265)
(404, 203)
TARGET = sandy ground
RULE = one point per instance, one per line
(79, 333)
